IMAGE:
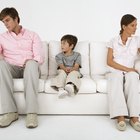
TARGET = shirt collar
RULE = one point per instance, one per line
(21, 32)
(120, 40)
(68, 55)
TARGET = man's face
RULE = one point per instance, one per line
(10, 23)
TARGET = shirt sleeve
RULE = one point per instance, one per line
(138, 42)
(38, 49)
(110, 44)
(0, 47)
(78, 60)
(58, 59)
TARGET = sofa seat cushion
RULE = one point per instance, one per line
(101, 85)
(19, 85)
(87, 86)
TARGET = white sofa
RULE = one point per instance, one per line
(92, 96)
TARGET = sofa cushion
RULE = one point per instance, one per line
(19, 85)
(101, 85)
(44, 66)
(87, 86)
(98, 58)
(81, 47)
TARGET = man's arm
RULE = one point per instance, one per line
(38, 49)
(1, 55)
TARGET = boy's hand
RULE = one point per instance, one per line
(68, 70)
(75, 68)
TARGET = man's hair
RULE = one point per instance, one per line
(71, 39)
(12, 12)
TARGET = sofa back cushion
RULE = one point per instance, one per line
(44, 66)
(81, 47)
(98, 58)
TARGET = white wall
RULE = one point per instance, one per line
(96, 20)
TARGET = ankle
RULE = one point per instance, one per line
(134, 119)
(120, 118)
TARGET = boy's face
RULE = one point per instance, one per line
(66, 47)
(10, 23)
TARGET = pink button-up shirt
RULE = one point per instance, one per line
(16, 49)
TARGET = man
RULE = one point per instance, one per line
(20, 56)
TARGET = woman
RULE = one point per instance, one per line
(123, 80)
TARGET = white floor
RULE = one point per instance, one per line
(68, 127)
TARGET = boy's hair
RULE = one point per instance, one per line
(71, 39)
(12, 12)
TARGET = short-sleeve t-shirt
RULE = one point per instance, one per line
(124, 54)
(68, 61)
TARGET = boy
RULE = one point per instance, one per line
(68, 79)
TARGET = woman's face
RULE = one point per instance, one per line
(130, 28)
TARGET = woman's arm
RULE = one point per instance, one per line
(115, 65)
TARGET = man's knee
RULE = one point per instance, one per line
(32, 64)
(2, 64)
